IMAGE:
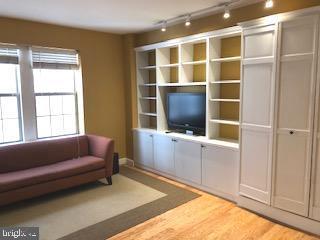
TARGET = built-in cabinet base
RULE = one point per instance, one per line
(189, 159)
(222, 194)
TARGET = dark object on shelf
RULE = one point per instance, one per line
(115, 163)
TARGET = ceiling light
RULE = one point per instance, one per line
(164, 26)
(226, 14)
(188, 21)
(269, 4)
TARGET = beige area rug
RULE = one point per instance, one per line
(96, 210)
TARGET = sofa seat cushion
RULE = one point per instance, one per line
(18, 179)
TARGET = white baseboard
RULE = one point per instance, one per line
(126, 161)
(279, 215)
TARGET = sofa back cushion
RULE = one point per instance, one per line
(43, 152)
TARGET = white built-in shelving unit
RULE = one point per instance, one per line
(208, 63)
(263, 91)
(146, 76)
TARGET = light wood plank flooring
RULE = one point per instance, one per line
(209, 217)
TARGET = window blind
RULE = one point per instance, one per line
(55, 58)
(9, 54)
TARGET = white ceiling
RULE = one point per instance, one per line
(117, 16)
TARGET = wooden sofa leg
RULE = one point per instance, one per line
(109, 180)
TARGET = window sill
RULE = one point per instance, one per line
(40, 139)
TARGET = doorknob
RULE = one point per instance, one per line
(291, 132)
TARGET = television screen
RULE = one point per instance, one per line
(186, 111)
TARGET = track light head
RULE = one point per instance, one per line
(226, 14)
(188, 21)
(164, 26)
(269, 4)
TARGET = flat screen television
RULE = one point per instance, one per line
(186, 111)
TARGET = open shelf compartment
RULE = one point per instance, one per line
(194, 61)
(147, 82)
(168, 65)
(224, 75)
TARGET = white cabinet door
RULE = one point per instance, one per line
(295, 110)
(257, 94)
(219, 169)
(255, 169)
(164, 154)
(291, 190)
(143, 148)
(258, 42)
(257, 111)
(187, 157)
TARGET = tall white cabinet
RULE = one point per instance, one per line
(314, 209)
(258, 74)
(298, 40)
(280, 119)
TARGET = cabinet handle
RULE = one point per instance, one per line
(174, 140)
(150, 135)
(291, 132)
(203, 146)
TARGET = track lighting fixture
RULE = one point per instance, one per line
(269, 4)
(164, 26)
(188, 21)
(226, 5)
(226, 14)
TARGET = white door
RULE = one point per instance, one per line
(187, 156)
(314, 210)
(219, 169)
(164, 154)
(143, 148)
(295, 109)
(257, 108)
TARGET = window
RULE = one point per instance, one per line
(10, 130)
(56, 100)
(40, 101)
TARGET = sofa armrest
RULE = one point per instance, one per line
(102, 147)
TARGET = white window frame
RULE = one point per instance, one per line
(17, 95)
(27, 99)
(76, 108)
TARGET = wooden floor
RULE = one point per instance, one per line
(209, 217)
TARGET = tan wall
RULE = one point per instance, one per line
(102, 65)
(205, 24)
(130, 88)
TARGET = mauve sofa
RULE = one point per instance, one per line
(36, 168)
